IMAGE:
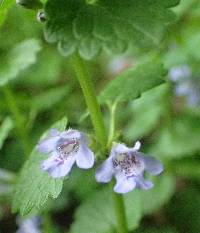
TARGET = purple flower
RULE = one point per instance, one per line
(180, 72)
(29, 225)
(186, 85)
(65, 148)
(128, 166)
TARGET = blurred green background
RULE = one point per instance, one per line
(38, 87)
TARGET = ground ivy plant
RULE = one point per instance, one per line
(84, 32)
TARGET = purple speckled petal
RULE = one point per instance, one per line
(124, 184)
(57, 167)
(84, 157)
(105, 171)
(142, 183)
(47, 145)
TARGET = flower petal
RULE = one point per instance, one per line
(47, 145)
(71, 133)
(54, 132)
(124, 184)
(153, 166)
(142, 183)
(104, 172)
(84, 157)
(118, 148)
(57, 167)
(136, 146)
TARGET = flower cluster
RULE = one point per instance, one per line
(186, 85)
(127, 165)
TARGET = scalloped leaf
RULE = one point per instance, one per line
(133, 82)
(110, 25)
(20, 58)
(35, 185)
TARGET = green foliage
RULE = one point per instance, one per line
(41, 74)
(187, 168)
(174, 142)
(145, 113)
(30, 4)
(48, 99)
(4, 7)
(6, 176)
(156, 230)
(5, 128)
(133, 82)
(44, 88)
(154, 199)
(184, 210)
(22, 56)
(76, 25)
(35, 185)
(97, 214)
(79, 177)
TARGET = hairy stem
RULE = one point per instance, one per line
(19, 122)
(87, 86)
(90, 99)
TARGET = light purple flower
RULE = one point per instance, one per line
(65, 148)
(128, 166)
(29, 225)
(180, 72)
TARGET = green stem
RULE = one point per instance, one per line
(99, 127)
(112, 124)
(90, 98)
(120, 213)
(19, 122)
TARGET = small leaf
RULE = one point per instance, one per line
(133, 82)
(21, 57)
(35, 185)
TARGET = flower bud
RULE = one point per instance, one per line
(41, 16)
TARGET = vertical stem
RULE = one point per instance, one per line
(90, 98)
(99, 127)
(112, 124)
(120, 213)
(19, 122)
